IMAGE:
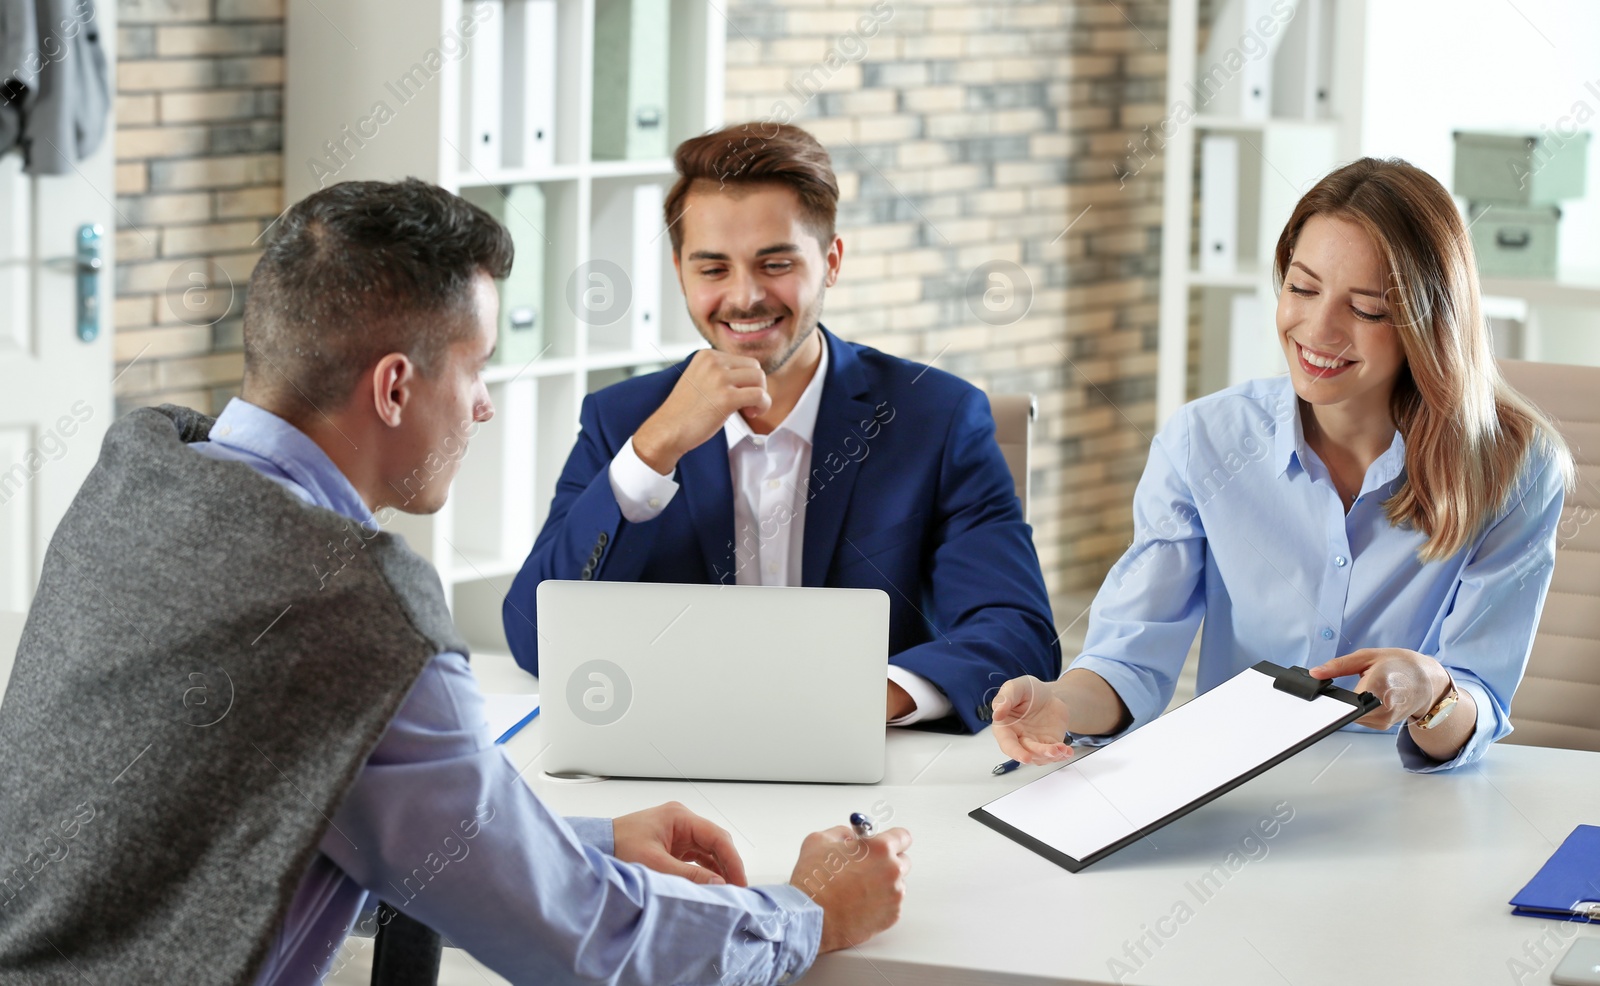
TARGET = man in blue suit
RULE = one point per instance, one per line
(783, 455)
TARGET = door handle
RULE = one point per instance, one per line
(90, 236)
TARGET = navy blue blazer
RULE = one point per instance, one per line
(909, 494)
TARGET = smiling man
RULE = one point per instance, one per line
(783, 455)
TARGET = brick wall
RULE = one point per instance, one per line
(976, 133)
(199, 162)
(964, 134)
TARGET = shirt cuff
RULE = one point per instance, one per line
(641, 492)
(803, 938)
(1416, 760)
(928, 702)
(1134, 692)
(594, 832)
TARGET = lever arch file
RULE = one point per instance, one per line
(629, 232)
(482, 83)
(520, 209)
(1219, 204)
(630, 82)
(530, 83)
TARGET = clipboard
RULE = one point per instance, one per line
(1117, 794)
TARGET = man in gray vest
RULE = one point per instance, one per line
(239, 707)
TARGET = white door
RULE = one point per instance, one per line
(55, 387)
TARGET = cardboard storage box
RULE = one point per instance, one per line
(1511, 241)
(1520, 169)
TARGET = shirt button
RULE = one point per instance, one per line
(1327, 634)
(655, 503)
(772, 568)
(759, 440)
(1341, 561)
(773, 484)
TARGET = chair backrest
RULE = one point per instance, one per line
(1013, 429)
(1558, 702)
(10, 636)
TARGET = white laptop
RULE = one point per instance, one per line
(756, 683)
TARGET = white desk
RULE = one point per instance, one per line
(1381, 876)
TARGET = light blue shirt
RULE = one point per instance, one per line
(439, 825)
(1237, 522)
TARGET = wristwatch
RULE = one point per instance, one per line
(1441, 709)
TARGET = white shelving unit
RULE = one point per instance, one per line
(1314, 76)
(344, 60)
(1551, 321)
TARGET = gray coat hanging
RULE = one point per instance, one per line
(54, 91)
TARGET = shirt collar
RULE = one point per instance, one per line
(256, 431)
(1388, 466)
(1290, 449)
(801, 420)
(1289, 440)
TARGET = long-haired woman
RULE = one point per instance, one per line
(1385, 514)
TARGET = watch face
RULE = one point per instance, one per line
(1438, 713)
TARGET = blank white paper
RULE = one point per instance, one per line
(504, 711)
(1121, 788)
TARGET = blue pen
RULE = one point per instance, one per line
(862, 824)
(1006, 768)
(513, 730)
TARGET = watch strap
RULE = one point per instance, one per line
(1441, 708)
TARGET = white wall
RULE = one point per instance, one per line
(1434, 66)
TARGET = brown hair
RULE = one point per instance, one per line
(1468, 434)
(751, 154)
(354, 272)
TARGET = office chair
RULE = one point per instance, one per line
(1558, 702)
(406, 952)
(1013, 429)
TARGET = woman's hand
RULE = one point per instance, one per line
(1407, 683)
(1030, 721)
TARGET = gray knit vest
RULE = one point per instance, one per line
(207, 664)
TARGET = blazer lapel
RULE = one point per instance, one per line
(706, 481)
(836, 445)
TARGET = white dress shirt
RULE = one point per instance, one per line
(770, 477)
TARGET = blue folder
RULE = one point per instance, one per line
(1567, 887)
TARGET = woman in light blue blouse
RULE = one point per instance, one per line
(1388, 510)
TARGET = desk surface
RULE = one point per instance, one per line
(1379, 875)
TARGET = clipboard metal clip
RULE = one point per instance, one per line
(1589, 910)
(1298, 682)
